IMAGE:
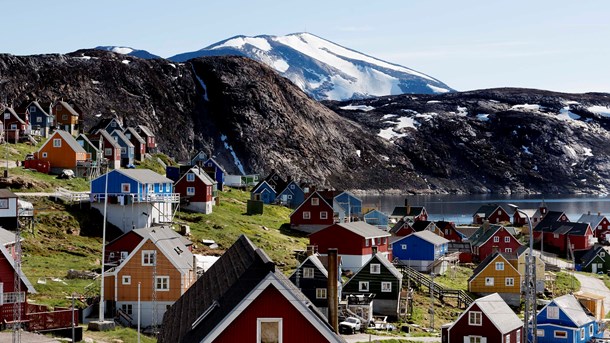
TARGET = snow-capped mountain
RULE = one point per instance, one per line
(129, 51)
(323, 69)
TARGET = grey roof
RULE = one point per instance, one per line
(499, 313)
(487, 210)
(135, 135)
(144, 175)
(592, 219)
(37, 104)
(216, 163)
(86, 139)
(22, 276)
(146, 130)
(431, 237)
(6, 193)
(384, 260)
(122, 137)
(7, 237)
(316, 262)
(14, 114)
(69, 108)
(201, 174)
(572, 308)
(109, 138)
(466, 231)
(170, 243)
(364, 230)
(70, 140)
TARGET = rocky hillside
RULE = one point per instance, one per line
(253, 120)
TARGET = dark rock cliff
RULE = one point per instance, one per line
(251, 119)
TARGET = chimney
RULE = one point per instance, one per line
(599, 213)
(407, 206)
(485, 225)
(311, 249)
(333, 292)
(589, 212)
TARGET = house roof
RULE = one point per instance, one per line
(84, 138)
(219, 293)
(122, 137)
(103, 124)
(14, 114)
(39, 106)
(572, 308)
(7, 237)
(109, 138)
(260, 188)
(593, 219)
(171, 244)
(421, 225)
(315, 260)
(589, 256)
(6, 193)
(571, 228)
(384, 261)
(363, 229)
(466, 231)
(430, 237)
(406, 211)
(545, 224)
(143, 175)
(484, 233)
(319, 196)
(498, 312)
(529, 211)
(398, 226)
(146, 130)
(68, 108)
(487, 261)
(22, 276)
(201, 175)
(218, 165)
(66, 137)
(135, 135)
(486, 210)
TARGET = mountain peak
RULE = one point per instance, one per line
(124, 50)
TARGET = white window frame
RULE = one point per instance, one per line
(39, 119)
(554, 314)
(507, 239)
(564, 334)
(32, 109)
(475, 318)
(148, 257)
(126, 279)
(403, 246)
(367, 242)
(123, 150)
(306, 215)
(499, 265)
(321, 293)
(489, 281)
(108, 152)
(363, 286)
(518, 336)
(475, 339)
(308, 273)
(323, 215)
(164, 283)
(190, 190)
(509, 250)
(507, 338)
(315, 201)
(590, 329)
(44, 155)
(582, 333)
(540, 332)
(509, 282)
(57, 142)
(375, 268)
(259, 321)
(125, 188)
(190, 177)
(386, 286)
(602, 254)
(496, 239)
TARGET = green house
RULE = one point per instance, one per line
(596, 261)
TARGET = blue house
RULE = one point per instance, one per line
(137, 198)
(422, 251)
(216, 172)
(351, 204)
(564, 319)
(127, 148)
(292, 196)
(199, 159)
(377, 218)
(263, 192)
(41, 122)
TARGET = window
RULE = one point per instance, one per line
(384, 240)
(509, 282)
(552, 312)
(363, 286)
(518, 336)
(375, 268)
(489, 281)
(32, 109)
(125, 188)
(123, 151)
(7, 115)
(499, 265)
(499, 212)
(162, 283)
(315, 201)
(555, 235)
(560, 334)
(602, 254)
(291, 186)
(44, 155)
(447, 232)
(367, 242)
(474, 339)
(308, 273)
(508, 250)
(39, 119)
(323, 215)
(591, 330)
(306, 215)
(190, 177)
(108, 152)
(116, 139)
(190, 190)
(127, 308)
(289, 196)
(507, 239)
(540, 333)
(148, 257)
(496, 239)
(600, 265)
(64, 117)
(582, 333)
(13, 126)
(320, 293)
(475, 318)
(57, 143)
(269, 330)
(403, 246)
(126, 280)
(112, 124)
(386, 286)
(507, 338)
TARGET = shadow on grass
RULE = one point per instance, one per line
(285, 229)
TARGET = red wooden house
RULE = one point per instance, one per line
(356, 242)
(149, 137)
(543, 232)
(14, 126)
(599, 224)
(314, 214)
(559, 234)
(449, 231)
(405, 228)
(493, 213)
(111, 150)
(8, 292)
(491, 238)
(488, 319)
(243, 298)
(536, 215)
(196, 190)
(409, 213)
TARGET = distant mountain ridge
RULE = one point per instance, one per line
(124, 50)
(323, 69)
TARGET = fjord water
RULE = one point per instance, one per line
(460, 208)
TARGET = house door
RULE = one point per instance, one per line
(594, 268)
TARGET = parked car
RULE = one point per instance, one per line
(350, 325)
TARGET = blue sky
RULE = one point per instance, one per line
(555, 45)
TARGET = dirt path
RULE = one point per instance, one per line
(363, 337)
(26, 337)
(594, 285)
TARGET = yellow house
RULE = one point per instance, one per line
(157, 260)
(519, 263)
(497, 275)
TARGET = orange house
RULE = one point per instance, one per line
(66, 117)
(62, 151)
(496, 274)
(160, 263)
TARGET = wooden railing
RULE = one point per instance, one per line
(440, 292)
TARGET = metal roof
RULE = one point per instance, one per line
(144, 175)
(171, 245)
(135, 135)
(109, 138)
(122, 137)
(572, 308)
(592, 219)
(499, 313)
(431, 237)
(364, 230)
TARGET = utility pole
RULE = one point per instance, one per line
(17, 286)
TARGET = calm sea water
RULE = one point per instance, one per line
(460, 208)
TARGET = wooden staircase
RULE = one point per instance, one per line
(440, 292)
